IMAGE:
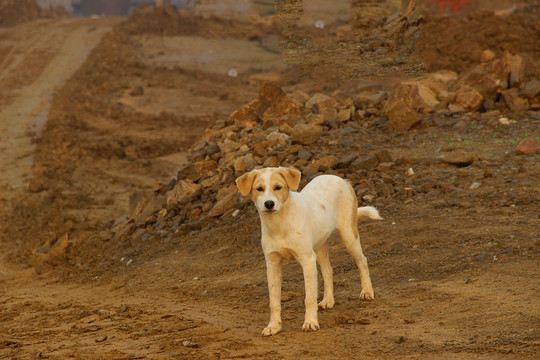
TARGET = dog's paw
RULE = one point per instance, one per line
(327, 304)
(271, 329)
(310, 325)
(367, 295)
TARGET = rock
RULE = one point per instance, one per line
(487, 55)
(468, 98)
(250, 162)
(306, 134)
(273, 104)
(344, 115)
(206, 168)
(306, 155)
(153, 205)
(401, 115)
(299, 97)
(515, 66)
(475, 185)
(514, 102)
(246, 116)
(527, 147)
(346, 161)
(487, 78)
(184, 189)
(57, 253)
(279, 138)
(272, 161)
(343, 30)
(328, 162)
(324, 105)
(223, 205)
(188, 172)
(383, 156)
(459, 158)
(239, 166)
(228, 146)
(310, 169)
(366, 162)
(531, 89)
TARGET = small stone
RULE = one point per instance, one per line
(459, 158)
(487, 55)
(527, 147)
(329, 161)
(183, 189)
(306, 155)
(306, 134)
(190, 344)
(346, 161)
(222, 206)
(468, 98)
(137, 91)
(475, 185)
(344, 115)
(366, 162)
(383, 156)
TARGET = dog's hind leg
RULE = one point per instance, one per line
(327, 273)
(348, 231)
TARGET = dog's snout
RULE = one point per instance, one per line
(269, 204)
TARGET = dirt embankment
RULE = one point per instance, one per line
(14, 12)
(456, 43)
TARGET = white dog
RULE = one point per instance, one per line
(297, 225)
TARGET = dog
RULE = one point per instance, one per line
(297, 225)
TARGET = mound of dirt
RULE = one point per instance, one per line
(456, 44)
(168, 20)
(14, 12)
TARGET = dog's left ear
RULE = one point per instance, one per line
(291, 176)
(245, 182)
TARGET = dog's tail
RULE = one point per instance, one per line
(369, 212)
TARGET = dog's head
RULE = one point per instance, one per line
(269, 187)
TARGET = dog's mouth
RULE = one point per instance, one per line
(269, 210)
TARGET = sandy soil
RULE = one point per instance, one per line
(454, 268)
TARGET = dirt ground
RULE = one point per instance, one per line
(93, 111)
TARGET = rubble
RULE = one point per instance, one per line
(315, 133)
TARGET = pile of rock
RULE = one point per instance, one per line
(506, 84)
(313, 134)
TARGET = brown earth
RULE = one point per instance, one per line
(454, 264)
(456, 43)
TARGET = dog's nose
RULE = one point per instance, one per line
(269, 204)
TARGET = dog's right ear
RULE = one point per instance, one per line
(245, 182)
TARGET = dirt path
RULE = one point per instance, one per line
(38, 58)
(49, 58)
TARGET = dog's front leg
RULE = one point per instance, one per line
(274, 273)
(309, 267)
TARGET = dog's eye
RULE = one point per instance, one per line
(260, 189)
(277, 187)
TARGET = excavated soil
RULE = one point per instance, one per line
(457, 43)
(454, 264)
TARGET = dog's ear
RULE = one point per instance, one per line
(291, 176)
(245, 182)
